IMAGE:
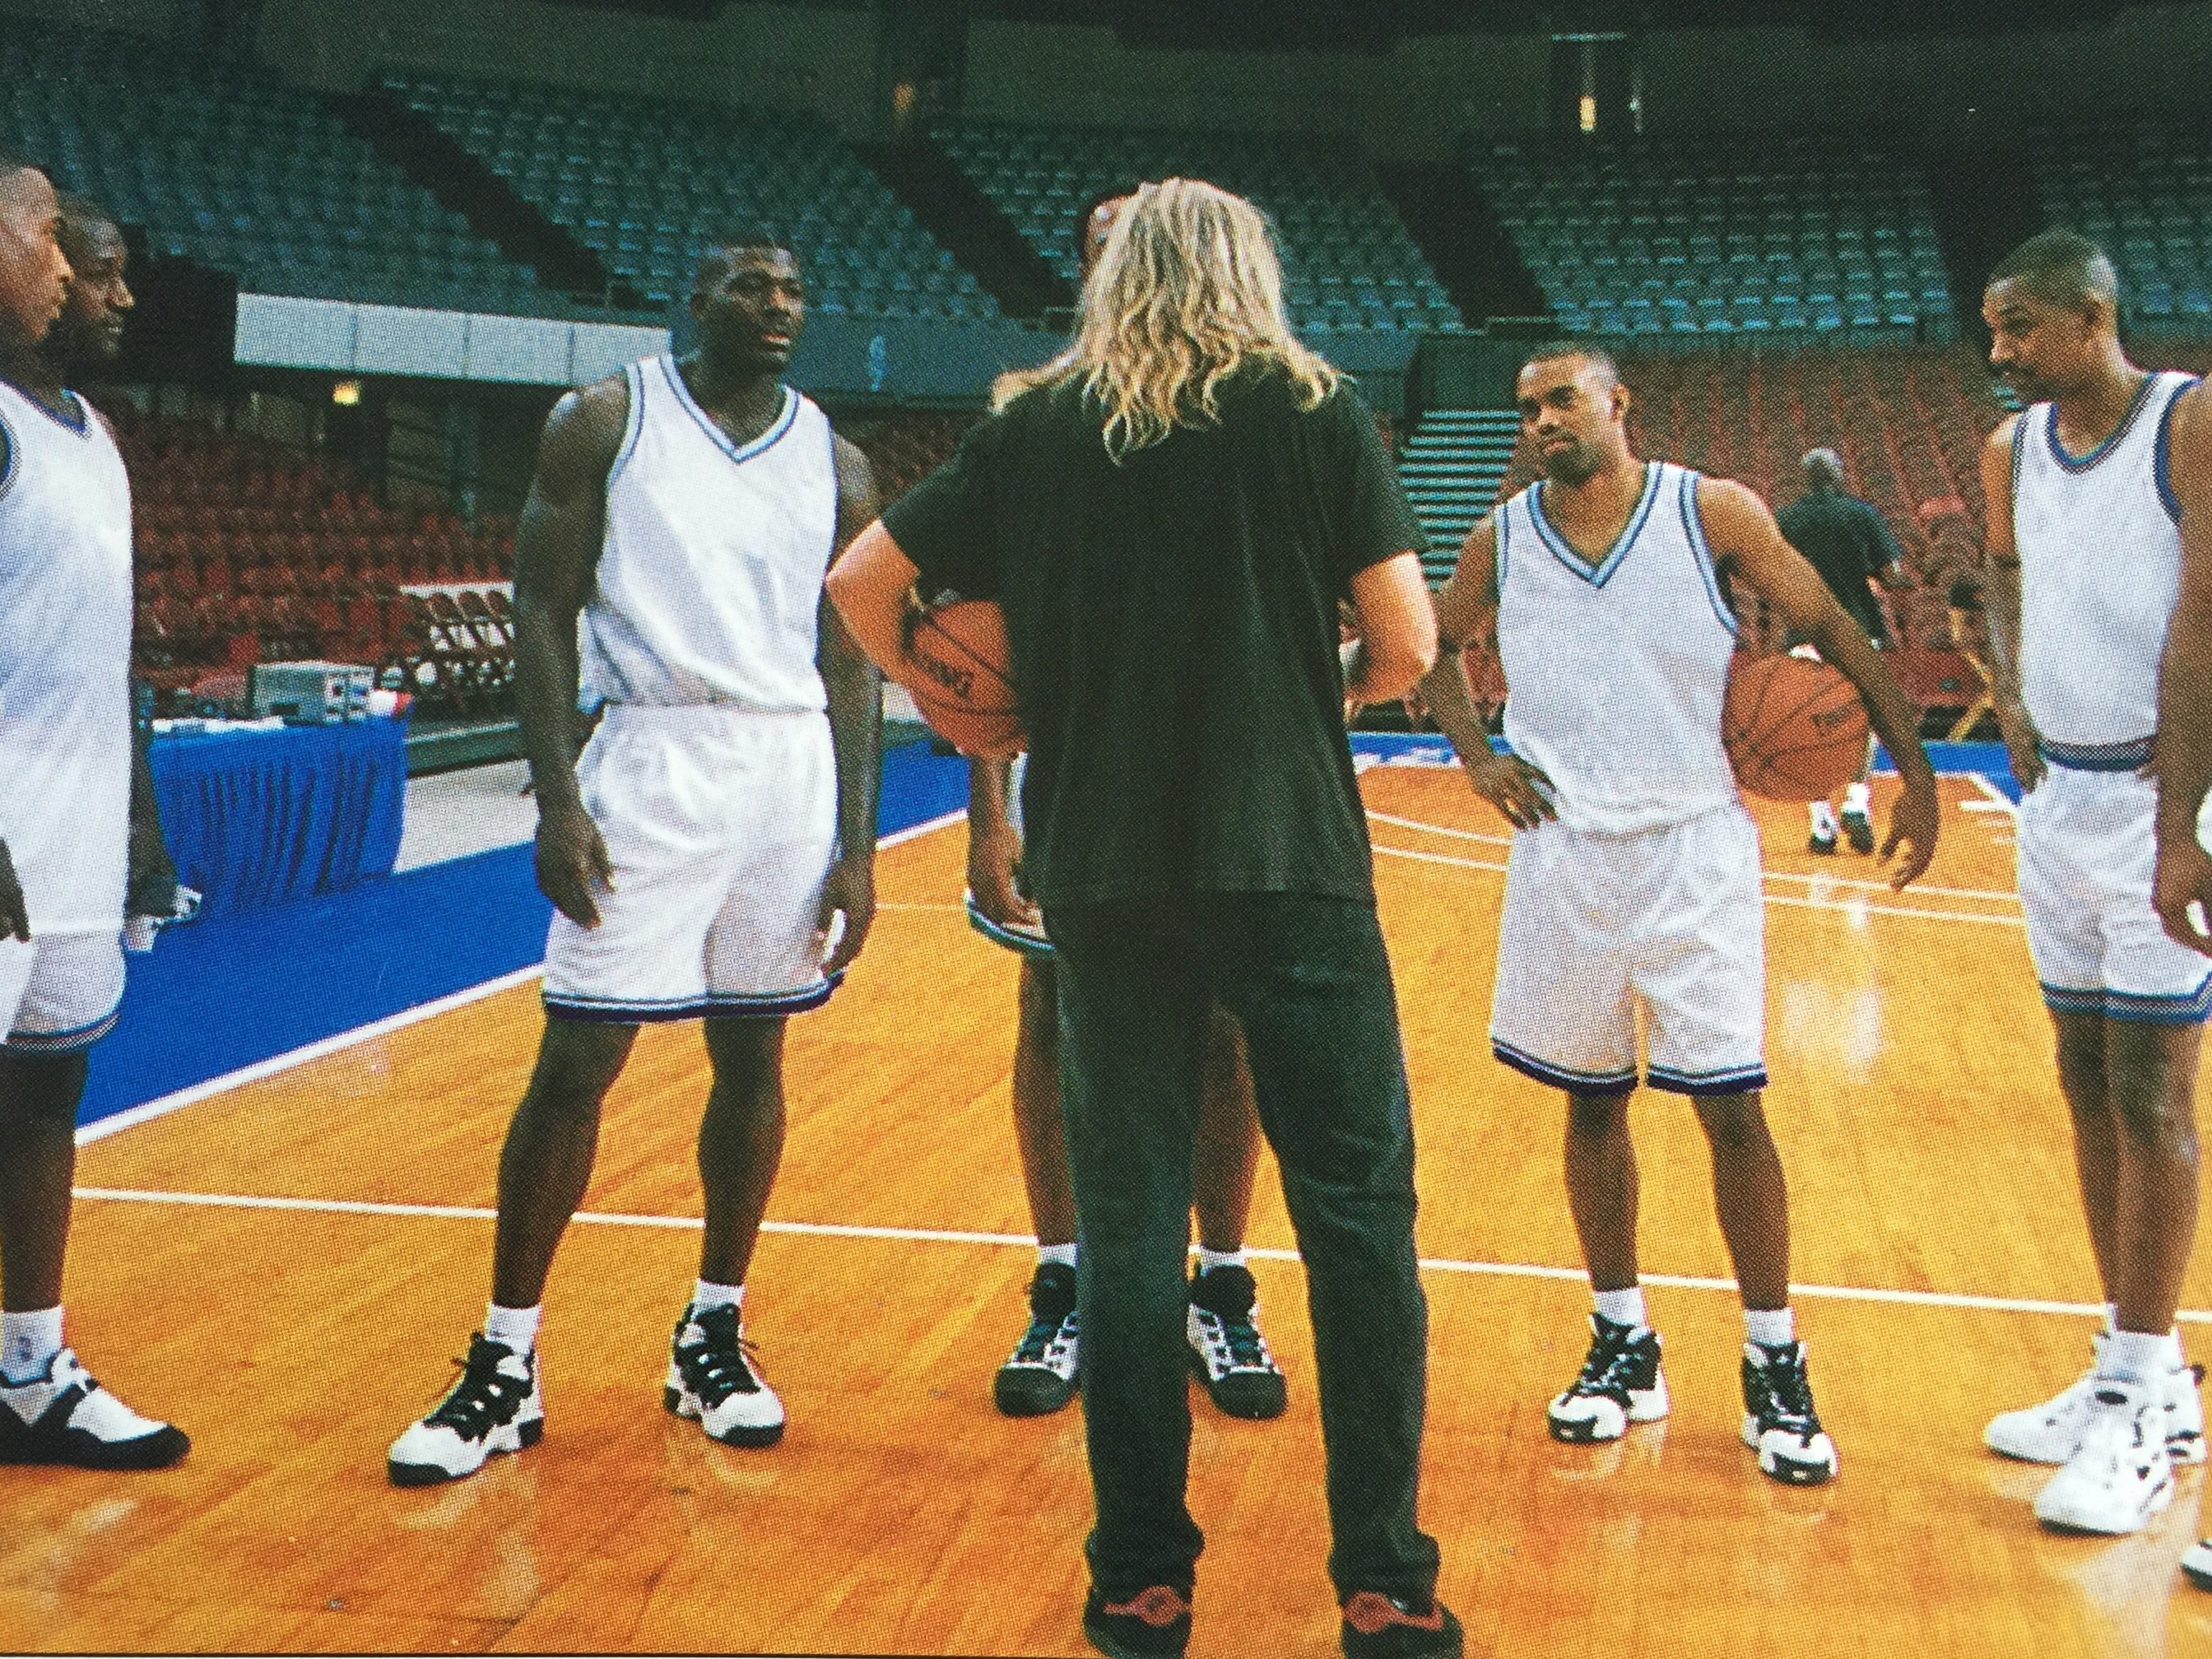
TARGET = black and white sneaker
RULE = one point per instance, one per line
(64, 1416)
(1620, 1384)
(712, 1377)
(1039, 1377)
(1858, 829)
(494, 1408)
(1779, 1422)
(1227, 1351)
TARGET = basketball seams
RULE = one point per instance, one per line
(1780, 772)
(930, 622)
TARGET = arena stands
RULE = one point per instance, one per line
(2146, 195)
(1786, 237)
(249, 551)
(1348, 262)
(644, 183)
(226, 164)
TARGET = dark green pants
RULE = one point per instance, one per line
(1308, 979)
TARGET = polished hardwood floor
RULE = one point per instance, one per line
(289, 1268)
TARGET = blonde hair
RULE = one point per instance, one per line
(1187, 292)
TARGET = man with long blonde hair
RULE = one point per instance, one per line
(1168, 512)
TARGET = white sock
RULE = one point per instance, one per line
(1621, 1307)
(1856, 799)
(1055, 1255)
(1209, 1260)
(1770, 1327)
(515, 1328)
(2112, 1317)
(2170, 1356)
(1824, 820)
(2133, 1357)
(706, 1294)
(28, 1342)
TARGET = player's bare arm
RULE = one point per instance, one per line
(1466, 608)
(872, 588)
(2183, 760)
(1746, 544)
(995, 845)
(557, 541)
(2001, 610)
(856, 705)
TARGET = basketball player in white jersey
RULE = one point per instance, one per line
(1229, 1355)
(66, 795)
(1634, 878)
(702, 852)
(2084, 560)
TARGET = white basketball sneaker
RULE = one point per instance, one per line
(712, 1377)
(1620, 1384)
(494, 1408)
(2048, 1433)
(64, 1416)
(2121, 1474)
(2196, 1564)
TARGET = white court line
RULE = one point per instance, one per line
(162, 1106)
(949, 1236)
(1999, 801)
(1849, 907)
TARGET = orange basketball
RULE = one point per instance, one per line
(1795, 727)
(964, 689)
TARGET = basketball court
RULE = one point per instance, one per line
(285, 1264)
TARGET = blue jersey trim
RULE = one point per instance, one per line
(1020, 941)
(9, 449)
(2135, 405)
(2130, 756)
(1737, 1080)
(1596, 1084)
(2020, 426)
(1694, 527)
(788, 418)
(64, 1042)
(2136, 1007)
(1501, 562)
(634, 424)
(81, 425)
(2162, 452)
(1598, 575)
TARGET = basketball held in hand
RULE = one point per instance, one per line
(1793, 726)
(962, 679)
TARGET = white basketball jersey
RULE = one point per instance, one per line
(2099, 543)
(710, 578)
(64, 664)
(1615, 672)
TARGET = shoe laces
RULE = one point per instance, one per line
(1788, 1391)
(1228, 1306)
(1043, 1336)
(1248, 1349)
(1606, 1366)
(719, 1364)
(485, 1397)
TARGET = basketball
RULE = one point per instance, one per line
(1795, 727)
(965, 691)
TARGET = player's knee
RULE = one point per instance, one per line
(2155, 1123)
(1734, 1122)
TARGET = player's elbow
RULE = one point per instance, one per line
(1391, 668)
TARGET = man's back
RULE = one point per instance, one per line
(1845, 540)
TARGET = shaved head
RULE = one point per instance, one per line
(1596, 357)
(2061, 268)
(1823, 469)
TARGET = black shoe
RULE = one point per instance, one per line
(1040, 1377)
(1824, 845)
(1379, 1626)
(1227, 1351)
(1779, 1422)
(713, 1379)
(63, 1416)
(1154, 1621)
(1858, 829)
(1620, 1384)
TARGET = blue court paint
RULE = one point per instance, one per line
(231, 991)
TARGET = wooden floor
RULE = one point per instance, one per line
(1919, 1116)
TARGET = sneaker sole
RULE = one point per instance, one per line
(1113, 1649)
(1644, 1405)
(1016, 1399)
(2200, 1576)
(680, 1404)
(161, 1449)
(1788, 1471)
(430, 1474)
(2074, 1528)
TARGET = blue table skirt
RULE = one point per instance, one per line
(260, 818)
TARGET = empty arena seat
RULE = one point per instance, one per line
(2143, 193)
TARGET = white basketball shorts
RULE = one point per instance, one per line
(1672, 918)
(61, 992)
(721, 825)
(2089, 848)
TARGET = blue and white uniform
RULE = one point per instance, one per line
(711, 777)
(1646, 888)
(64, 717)
(2099, 537)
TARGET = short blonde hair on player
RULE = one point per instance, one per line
(1187, 292)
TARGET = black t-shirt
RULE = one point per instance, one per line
(1845, 540)
(1173, 621)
